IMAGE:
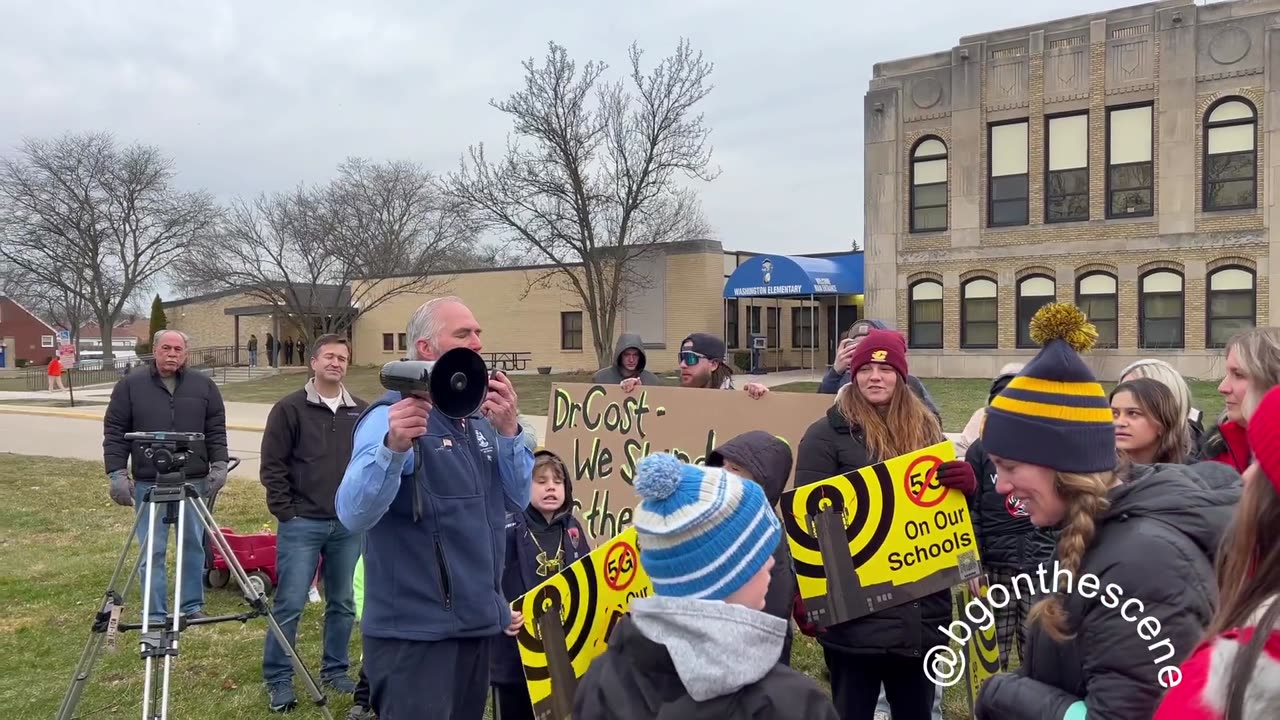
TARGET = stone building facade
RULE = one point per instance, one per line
(1116, 160)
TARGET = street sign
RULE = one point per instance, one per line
(64, 337)
(68, 353)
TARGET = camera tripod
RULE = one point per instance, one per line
(170, 495)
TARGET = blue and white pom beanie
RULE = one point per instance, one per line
(703, 532)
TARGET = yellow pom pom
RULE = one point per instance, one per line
(1062, 321)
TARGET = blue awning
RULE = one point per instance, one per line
(792, 276)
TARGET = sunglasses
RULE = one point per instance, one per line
(689, 358)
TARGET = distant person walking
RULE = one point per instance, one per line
(253, 351)
(55, 375)
(301, 348)
(271, 350)
(288, 350)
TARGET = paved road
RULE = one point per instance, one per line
(72, 437)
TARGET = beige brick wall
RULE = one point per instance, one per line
(208, 325)
(1195, 264)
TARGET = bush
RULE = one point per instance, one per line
(742, 360)
(22, 362)
(143, 348)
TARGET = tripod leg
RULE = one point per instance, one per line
(259, 602)
(113, 600)
(146, 608)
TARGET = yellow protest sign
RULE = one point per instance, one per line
(982, 652)
(568, 619)
(879, 537)
(601, 433)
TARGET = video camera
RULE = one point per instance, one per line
(457, 383)
(167, 450)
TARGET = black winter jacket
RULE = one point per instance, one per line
(1006, 538)
(768, 459)
(305, 451)
(1152, 556)
(701, 649)
(141, 403)
(831, 447)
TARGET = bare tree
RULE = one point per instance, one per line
(83, 218)
(598, 182)
(329, 254)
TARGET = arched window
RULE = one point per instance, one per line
(1230, 156)
(929, 186)
(1231, 305)
(979, 314)
(1160, 310)
(1096, 297)
(1034, 292)
(924, 326)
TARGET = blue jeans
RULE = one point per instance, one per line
(253, 358)
(192, 590)
(300, 545)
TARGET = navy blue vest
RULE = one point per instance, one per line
(433, 563)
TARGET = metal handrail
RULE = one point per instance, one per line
(204, 358)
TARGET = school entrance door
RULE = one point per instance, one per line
(839, 318)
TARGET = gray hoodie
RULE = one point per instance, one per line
(615, 374)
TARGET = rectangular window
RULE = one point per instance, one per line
(46, 341)
(388, 342)
(1008, 188)
(753, 320)
(1066, 194)
(803, 321)
(1130, 171)
(571, 330)
(731, 324)
(773, 316)
(402, 342)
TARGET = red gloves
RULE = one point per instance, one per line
(801, 617)
(958, 474)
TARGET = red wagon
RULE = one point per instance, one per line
(256, 553)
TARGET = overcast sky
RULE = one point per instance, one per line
(253, 96)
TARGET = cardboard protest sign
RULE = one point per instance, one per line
(601, 433)
(982, 652)
(568, 619)
(879, 537)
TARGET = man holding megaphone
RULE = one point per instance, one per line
(437, 463)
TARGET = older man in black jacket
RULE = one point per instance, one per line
(164, 396)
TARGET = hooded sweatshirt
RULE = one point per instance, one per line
(832, 382)
(1152, 554)
(768, 460)
(615, 373)
(684, 659)
(529, 535)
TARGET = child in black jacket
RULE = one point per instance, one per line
(541, 542)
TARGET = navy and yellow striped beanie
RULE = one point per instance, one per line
(1054, 413)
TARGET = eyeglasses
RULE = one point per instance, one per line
(689, 358)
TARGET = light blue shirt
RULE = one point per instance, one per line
(372, 478)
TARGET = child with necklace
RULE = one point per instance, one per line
(542, 541)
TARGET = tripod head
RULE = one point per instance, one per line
(169, 452)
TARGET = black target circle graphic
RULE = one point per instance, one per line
(862, 547)
(578, 613)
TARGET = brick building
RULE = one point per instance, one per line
(1115, 160)
(24, 335)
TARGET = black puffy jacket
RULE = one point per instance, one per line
(768, 459)
(832, 447)
(1152, 556)
(1006, 538)
(141, 403)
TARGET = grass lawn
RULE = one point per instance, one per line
(59, 539)
(957, 398)
(533, 390)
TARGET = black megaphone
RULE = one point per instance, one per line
(457, 382)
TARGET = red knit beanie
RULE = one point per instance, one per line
(1264, 435)
(881, 346)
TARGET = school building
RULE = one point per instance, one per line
(1116, 160)
(796, 305)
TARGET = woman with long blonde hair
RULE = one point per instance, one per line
(877, 417)
(1253, 368)
(1235, 673)
(1134, 544)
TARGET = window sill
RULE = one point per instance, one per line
(928, 233)
(1131, 218)
(1229, 212)
(571, 350)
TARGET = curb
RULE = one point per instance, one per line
(16, 410)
